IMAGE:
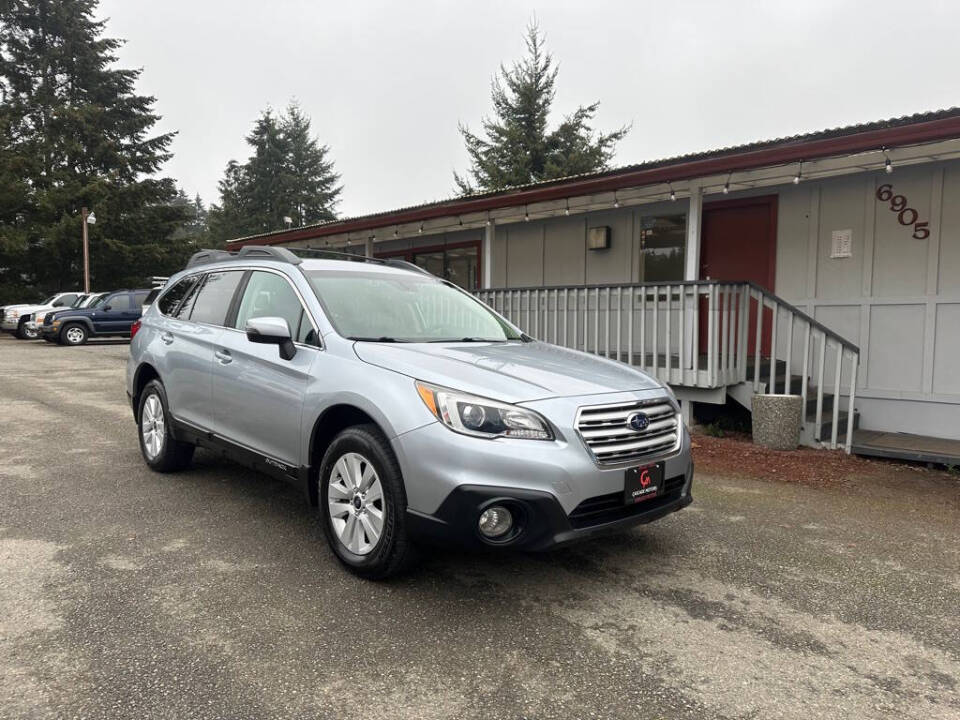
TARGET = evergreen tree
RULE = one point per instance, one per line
(516, 146)
(313, 183)
(74, 133)
(288, 175)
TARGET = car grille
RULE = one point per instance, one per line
(606, 430)
(610, 508)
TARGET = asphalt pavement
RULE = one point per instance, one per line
(211, 593)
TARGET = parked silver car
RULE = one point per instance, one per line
(405, 409)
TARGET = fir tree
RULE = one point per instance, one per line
(516, 146)
(74, 133)
(288, 175)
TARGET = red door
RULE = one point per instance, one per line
(738, 241)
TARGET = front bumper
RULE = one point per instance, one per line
(541, 521)
(10, 324)
(562, 494)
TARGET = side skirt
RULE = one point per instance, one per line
(241, 454)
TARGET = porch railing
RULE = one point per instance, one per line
(703, 334)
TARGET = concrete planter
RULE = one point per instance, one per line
(777, 420)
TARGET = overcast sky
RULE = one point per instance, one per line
(385, 83)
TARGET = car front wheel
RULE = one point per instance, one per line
(161, 451)
(363, 504)
(25, 333)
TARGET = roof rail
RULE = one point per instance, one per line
(202, 257)
(288, 255)
(269, 251)
(392, 262)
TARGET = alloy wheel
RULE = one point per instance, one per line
(356, 503)
(74, 335)
(152, 426)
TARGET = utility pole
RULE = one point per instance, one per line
(91, 219)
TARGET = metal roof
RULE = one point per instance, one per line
(889, 133)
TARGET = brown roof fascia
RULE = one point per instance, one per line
(780, 154)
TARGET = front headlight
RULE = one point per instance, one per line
(482, 417)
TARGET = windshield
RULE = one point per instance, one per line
(49, 300)
(80, 301)
(95, 300)
(392, 307)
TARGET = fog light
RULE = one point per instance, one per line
(495, 522)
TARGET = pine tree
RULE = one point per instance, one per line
(516, 146)
(313, 183)
(288, 175)
(74, 133)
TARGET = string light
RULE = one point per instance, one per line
(526, 214)
(726, 185)
(799, 176)
(888, 164)
(673, 195)
(421, 229)
(566, 210)
(616, 200)
(489, 221)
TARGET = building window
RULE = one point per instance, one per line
(460, 263)
(663, 239)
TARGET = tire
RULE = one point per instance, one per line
(25, 333)
(392, 552)
(160, 450)
(74, 334)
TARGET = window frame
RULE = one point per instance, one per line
(194, 278)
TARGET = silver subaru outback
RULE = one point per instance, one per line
(406, 410)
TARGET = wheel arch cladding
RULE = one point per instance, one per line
(330, 423)
(145, 373)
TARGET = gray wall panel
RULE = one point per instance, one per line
(896, 347)
(899, 260)
(946, 359)
(841, 208)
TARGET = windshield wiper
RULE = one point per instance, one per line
(469, 340)
(382, 338)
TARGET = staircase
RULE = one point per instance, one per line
(707, 339)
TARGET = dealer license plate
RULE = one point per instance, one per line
(642, 483)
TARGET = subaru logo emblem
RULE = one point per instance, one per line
(638, 422)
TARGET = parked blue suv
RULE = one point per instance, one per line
(112, 316)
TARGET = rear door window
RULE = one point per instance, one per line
(216, 294)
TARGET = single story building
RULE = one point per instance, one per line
(849, 239)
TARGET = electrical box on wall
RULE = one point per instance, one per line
(598, 238)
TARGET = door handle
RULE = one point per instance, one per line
(223, 356)
(167, 338)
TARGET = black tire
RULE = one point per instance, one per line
(24, 334)
(73, 334)
(393, 553)
(173, 454)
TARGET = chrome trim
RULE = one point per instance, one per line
(620, 444)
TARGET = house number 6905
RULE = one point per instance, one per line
(905, 215)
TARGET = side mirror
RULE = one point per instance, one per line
(272, 331)
(106, 308)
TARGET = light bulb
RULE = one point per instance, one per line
(888, 166)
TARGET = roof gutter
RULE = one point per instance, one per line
(779, 154)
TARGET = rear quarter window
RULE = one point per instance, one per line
(172, 298)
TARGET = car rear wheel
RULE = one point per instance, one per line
(363, 504)
(74, 334)
(160, 450)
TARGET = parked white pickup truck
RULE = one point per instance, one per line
(15, 317)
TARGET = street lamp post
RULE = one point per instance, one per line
(88, 219)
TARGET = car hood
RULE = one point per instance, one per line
(27, 309)
(511, 371)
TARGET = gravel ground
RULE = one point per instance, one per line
(211, 594)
